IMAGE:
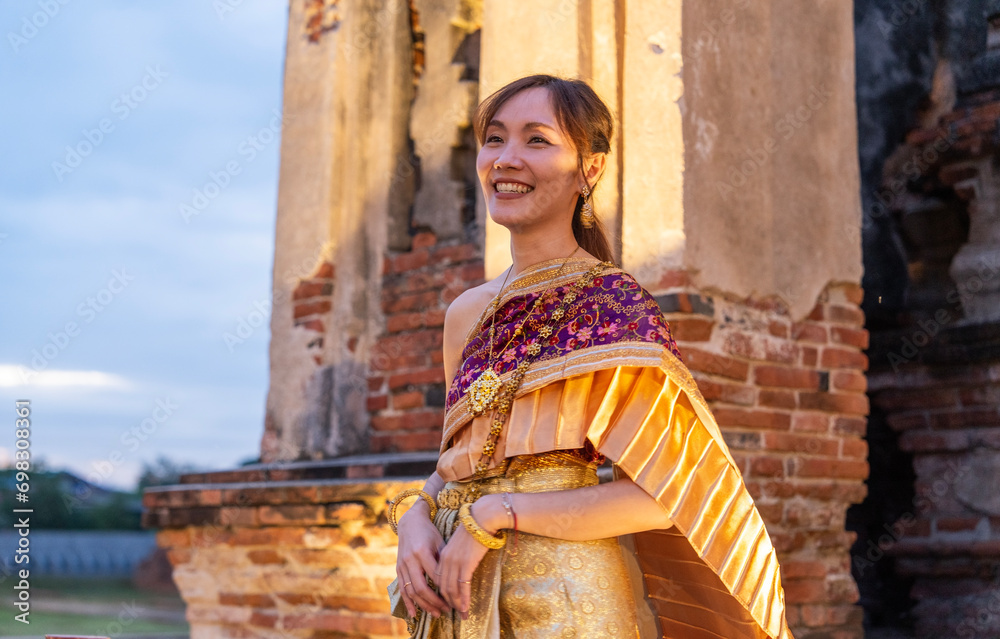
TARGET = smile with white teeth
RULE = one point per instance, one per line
(512, 187)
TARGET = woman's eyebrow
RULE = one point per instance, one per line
(529, 125)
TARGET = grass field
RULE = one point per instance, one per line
(102, 607)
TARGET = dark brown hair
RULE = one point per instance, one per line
(587, 122)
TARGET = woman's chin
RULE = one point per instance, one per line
(508, 216)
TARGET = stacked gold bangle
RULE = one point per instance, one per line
(478, 532)
(394, 504)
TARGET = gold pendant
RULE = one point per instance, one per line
(483, 392)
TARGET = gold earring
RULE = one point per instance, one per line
(587, 211)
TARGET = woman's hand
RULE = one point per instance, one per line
(458, 562)
(419, 545)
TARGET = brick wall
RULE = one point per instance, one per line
(790, 399)
(943, 404)
(936, 366)
(406, 385)
(298, 551)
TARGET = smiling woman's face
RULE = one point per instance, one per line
(528, 166)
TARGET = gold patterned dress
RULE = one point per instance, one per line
(608, 381)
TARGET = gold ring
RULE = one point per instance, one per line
(407, 584)
(464, 582)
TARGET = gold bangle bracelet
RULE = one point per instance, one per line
(478, 533)
(394, 504)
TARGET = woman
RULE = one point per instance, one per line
(558, 363)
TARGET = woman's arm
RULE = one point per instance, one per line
(593, 512)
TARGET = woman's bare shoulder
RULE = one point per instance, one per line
(466, 309)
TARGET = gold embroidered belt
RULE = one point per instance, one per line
(556, 470)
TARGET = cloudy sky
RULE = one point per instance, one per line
(137, 205)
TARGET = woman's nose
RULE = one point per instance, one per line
(510, 157)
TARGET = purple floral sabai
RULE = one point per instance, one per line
(614, 308)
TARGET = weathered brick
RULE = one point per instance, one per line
(776, 398)
(834, 357)
(930, 441)
(767, 466)
(857, 337)
(691, 329)
(256, 600)
(832, 468)
(407, 399)
(404, 322)
(304, 309)
(423, 239)
(173, 538)
(785, 377)
(336, 513)
(357, 604)
(410, 261)
(805, 590)
(844, 403)
(405, 442)
(267, 537)
(306, 289)
(411, 302)
(857, 448)
(726, 392)
(768, 419)
(955, 524)
(849, 381)
(708, 362)
(433, 375)
(810, 356)
(264, 618)
(809, 332)
(844, 314)
(802, 444)
(411, 420)
(265, 557)
(965, 418)
(803, 569)
(290, 515)
(810, 422)
(778, 328)
(375, 403)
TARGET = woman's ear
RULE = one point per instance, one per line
(593, 167)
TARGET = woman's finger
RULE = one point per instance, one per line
(404, 588)
(465, 588)
(447, 580)
(422, 593)
(429, 567)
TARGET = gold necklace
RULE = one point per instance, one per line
(505, 401)
(482, 392)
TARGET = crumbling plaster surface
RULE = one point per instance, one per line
(771, 198)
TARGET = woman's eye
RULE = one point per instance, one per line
(493, 138)
(537, 138)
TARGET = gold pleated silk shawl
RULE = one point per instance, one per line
(716, 572)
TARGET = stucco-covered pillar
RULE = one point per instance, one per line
(347, 92)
